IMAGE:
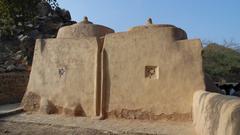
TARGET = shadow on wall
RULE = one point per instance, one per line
(79, 111)
(43, 44)
(106, 83)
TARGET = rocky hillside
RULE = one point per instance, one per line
(16, 54)
(221, 63)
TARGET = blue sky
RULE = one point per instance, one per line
(213, 20)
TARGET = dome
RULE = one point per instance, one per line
(170, 30)
(83, 29)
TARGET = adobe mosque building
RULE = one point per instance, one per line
(148, 72)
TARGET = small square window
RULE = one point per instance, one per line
(151, 72)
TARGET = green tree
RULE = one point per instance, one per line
(6, 21)
(221, 63)
(53, 3)
(15, 14)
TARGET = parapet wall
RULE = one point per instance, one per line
(216, 114)
(13, 86)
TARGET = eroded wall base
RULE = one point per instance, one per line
(144, 115)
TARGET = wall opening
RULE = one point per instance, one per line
(151, 72)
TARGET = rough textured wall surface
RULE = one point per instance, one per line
(216, 114)
(64, 77)
(149, 74)
(13, 86)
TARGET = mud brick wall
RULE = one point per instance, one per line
(13, 86)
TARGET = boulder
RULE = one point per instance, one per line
(25, 38)
(65, 14)
(50, 27)
(18, 55)
(237, 87)
(34, 34)
(44, 9)
(46, 25)
(11, 67)
(8, 63)
(21, 67)
(237, 94)
(2, 70)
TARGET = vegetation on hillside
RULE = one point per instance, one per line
(21, 23)
(221, 63)
(15, 15)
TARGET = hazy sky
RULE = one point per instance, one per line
(213, 20)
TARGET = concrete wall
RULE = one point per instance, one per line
(64, 77)
(216, 114)
(13, 86)
(149, 74)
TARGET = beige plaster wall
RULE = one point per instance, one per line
(216, 114)
(64, 77)
(168, 95)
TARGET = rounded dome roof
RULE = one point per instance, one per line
(83, 29)
(178, 33)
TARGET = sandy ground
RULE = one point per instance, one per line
(37, 124)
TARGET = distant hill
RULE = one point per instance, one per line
(221, 63)
(238, 49)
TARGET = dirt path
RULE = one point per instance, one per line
(36, 124)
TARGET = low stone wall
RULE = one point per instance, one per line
(13, 86)
(216, 114)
